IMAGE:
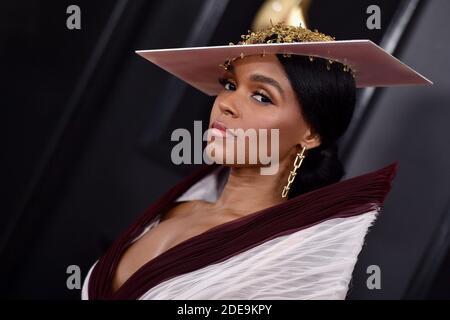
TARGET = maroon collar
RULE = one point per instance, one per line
(345, 198)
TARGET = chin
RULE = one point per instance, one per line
(225, 156)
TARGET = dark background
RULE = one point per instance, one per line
(86, 137)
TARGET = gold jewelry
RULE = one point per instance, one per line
(283, 33)
(297, 163)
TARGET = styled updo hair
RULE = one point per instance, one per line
(326, 93)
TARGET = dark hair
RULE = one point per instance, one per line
(326, 94)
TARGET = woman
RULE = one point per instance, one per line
(229, 232)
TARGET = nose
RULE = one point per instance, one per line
(227, 107)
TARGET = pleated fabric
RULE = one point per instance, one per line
(304, 248)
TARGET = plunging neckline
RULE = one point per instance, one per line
(164, 211)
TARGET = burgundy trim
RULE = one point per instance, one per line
(346, 198)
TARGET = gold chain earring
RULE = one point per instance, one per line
(297, 163)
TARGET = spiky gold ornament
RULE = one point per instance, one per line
(281, 33)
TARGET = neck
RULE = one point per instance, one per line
(248, 191)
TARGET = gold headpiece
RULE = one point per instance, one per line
(281, 33)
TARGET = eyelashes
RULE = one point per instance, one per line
(224, 82)
(268, 101)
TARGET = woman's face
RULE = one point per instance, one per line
(257, 95)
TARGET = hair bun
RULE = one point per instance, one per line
(329, 152)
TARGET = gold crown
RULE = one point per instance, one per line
(282, 33)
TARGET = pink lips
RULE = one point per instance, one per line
(219, 125)
(222, 127)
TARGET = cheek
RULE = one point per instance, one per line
(214, 111)
(274, 134)
(290, 128)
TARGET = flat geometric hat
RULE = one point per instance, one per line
(201, 67)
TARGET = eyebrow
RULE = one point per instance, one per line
(261, 78)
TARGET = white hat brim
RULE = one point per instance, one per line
(372, 66)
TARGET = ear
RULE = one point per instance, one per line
(310, 139)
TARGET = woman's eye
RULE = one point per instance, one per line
(227, 84)
(262, 98)
(258, 96)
